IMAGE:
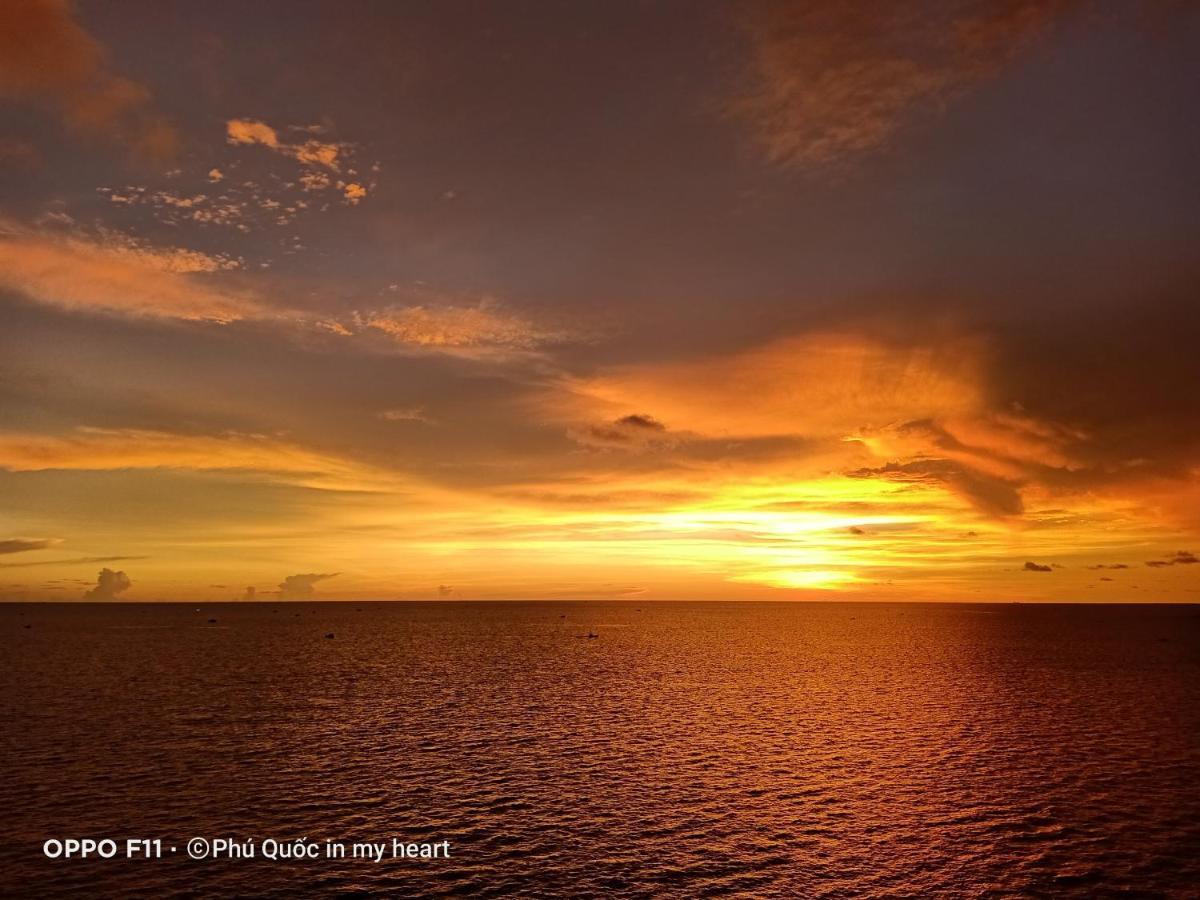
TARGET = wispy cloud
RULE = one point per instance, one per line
(113, 273)
(480, 329)
(405, 414)
(74, 561)
(24, 545)
(830, 81)
(94, 449)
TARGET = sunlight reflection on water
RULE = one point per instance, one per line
(755, 749)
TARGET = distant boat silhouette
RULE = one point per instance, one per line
(329, 635)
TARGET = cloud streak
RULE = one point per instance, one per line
(99, 449)
(22, 545)
(482, 329)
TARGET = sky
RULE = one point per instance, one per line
(625, 300)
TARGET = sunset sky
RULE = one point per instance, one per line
(600, 300)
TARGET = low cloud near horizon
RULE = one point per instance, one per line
(301, 587)
(108, 585)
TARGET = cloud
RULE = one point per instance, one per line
(248, 131)
(830, 384)
(22, 545)
(1179, 558)
(445, 590)
(315, 181)
(829, 81)
(354, 193)
(301, 587)
(466, 330)
(14, 152)
(98, 449)
(48, 59)
(84, 560)
(992, 495)
(116, 274)
(628, 432)
(846, 394)
(165, 259)
(639, 422)
(108, 585)
(310, 152)
(404, 414)
(1035, 567)
(933, 404)
(250, 594)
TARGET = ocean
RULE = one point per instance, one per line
(686, 750)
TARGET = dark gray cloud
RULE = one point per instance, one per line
(108, 585)
(640, 421)
(1179, 558)
(630, 432)
(1037, 567)
(301, 587)
(21, 545)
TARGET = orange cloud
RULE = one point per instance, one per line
(47, 58)
(466, 330)
(907, 413)
(309, 152)
(824, 384)
(117, 274)
(248, 131)
(96, 449)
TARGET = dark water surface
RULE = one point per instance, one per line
(690, 750)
